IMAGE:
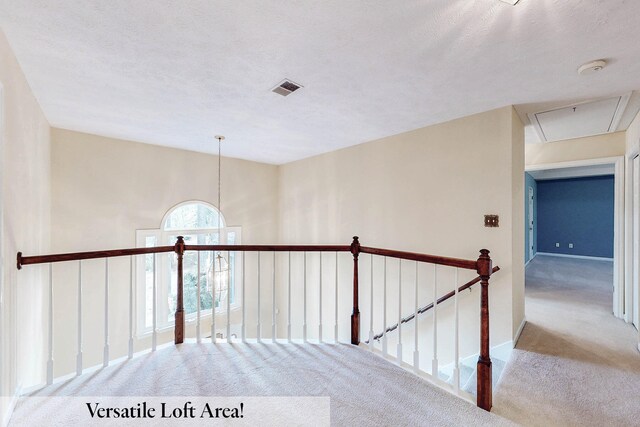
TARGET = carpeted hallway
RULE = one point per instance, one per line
(575, 364)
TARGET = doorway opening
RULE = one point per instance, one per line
(574, 220)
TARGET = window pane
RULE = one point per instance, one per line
(192, 216)
(190, 274)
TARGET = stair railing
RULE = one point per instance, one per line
(482, 266)
(429, 306)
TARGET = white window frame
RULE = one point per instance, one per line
(163, 273)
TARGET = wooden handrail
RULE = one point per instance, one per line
(269, 248)
(430, 306)
(430, 259)
(75, 256)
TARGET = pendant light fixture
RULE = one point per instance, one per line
(221, 265)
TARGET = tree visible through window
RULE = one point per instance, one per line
(197, 222)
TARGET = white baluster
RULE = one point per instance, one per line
(229, 299)
(79, 355)
(154, 307)
(320, 304)
(273, 301)
(130, 353)
(198, 337)
(371, 310)
(416, 354)
(335, 324)
(434, 362)
(384, 310)
(105, 361)
(259, 326)
(399, 356)
(214, 339)
(456, 350)
(244, 299)
(50, 359)
(304, 317)
(289, 303)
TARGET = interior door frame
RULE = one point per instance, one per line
(633, 302)
(530, 222)
(629, 232)
(621, 252)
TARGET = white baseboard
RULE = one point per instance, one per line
(519, 332)
(500, 351)
(594, 258)
(11, 406)
(530, 259)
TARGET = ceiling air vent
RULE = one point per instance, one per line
(286, 87)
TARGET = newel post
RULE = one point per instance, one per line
(355, 316)
(179, 331)
(484, 361)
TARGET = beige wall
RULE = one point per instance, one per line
(104, 190)
(427, 191)
(517, 237)
(592, 147)
(24, 144)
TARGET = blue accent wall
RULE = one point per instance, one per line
(578, 211)
(529, 182)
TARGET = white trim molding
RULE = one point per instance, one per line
(593, 258)
(619, 238)
(628, 236)
(574, 163)
(519, 332)
(11, 406)
(530, 259)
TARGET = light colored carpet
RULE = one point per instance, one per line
(575, 364)
(363, 388)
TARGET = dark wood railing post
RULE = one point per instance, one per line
(355, 316)
(179, 331)
(484, 361)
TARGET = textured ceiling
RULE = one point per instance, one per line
(176, 73)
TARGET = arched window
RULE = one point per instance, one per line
(192, 216)
(198, 222)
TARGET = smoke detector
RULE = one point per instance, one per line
(592, 67)
(286, 87)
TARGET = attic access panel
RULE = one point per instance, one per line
(579, 120)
